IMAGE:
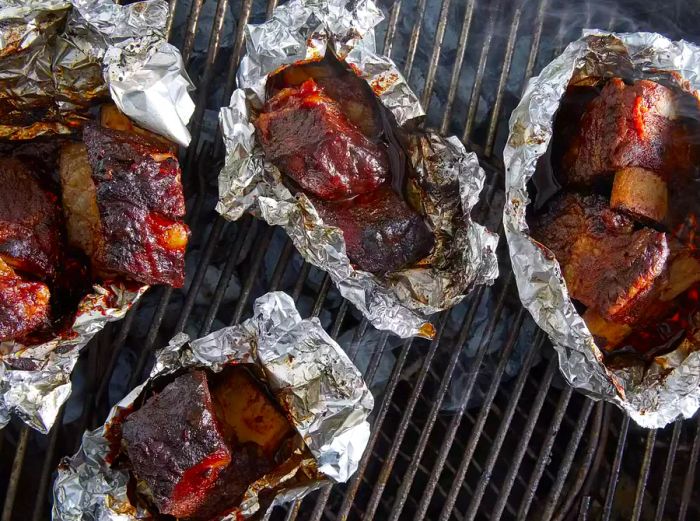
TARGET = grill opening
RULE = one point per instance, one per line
(477, 424)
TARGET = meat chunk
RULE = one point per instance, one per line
(24, 305)
(606, 264)
(30, 222)
(124, 205)
(640, 193)
(626, 125)
(382, 233)
(176, 446)
(306, 135)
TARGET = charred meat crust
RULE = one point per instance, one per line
(626, 125)
(140, 201)
(30, 222)
(382, 233)
(607, 265)
(24, 305)
(175, 444)
(306, 135)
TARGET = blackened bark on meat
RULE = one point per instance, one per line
(382, 233)
(306, 135)
(30, 222)
(175, 444)
(141, 204)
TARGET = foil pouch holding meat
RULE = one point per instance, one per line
(226, 426)
(325, 140)
(90, 212)
(600, 217)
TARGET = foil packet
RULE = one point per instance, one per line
(669, 388)
(57, 59)
(320, 390)
(451, 178)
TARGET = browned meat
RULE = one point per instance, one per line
(307, 136)
(640, 193)
(627, 125)
(175, 445)
(24, 305)
(30, 222)
(124, 205)
(382, 233)
(606, 265)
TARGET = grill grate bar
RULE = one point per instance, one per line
(670, 460)
(545, 451)
(192, 22)
(17, 463)
(435, 55)
(507, 417)
(46, 471)
(172, 7)
(391, 28)
(481, 68)
(690, 473)
(523, 446)
(415, 35)
(260, 251)
(457, 68)
(643, 475)
(569, 454)
(407, 481)
(536, 37)
(615, 470)
(505, 70)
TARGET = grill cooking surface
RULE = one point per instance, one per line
(477, 424)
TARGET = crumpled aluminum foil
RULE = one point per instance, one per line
(670, 388)
(400, 301)
(314, 381)
(57, 58)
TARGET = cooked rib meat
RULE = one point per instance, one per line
(124, 204)
(382, 233)
(626, 125)
(640, 193)
(607, 266)
(306, 135)
(176, 446)
(24, 305)
(30, 222)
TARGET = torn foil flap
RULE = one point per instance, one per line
(450, 176)
(320, 390)
(669, 387)
(57, 59)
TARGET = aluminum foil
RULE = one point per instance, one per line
(670, 387)
(452, 178)
(58, 58)
(314, 381)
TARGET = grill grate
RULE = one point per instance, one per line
(477, 424)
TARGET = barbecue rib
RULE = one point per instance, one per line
(24, 305)
(625, 126)
(124, 205)
(606, 264)
(30, 222)
(306, 135)
(175, 444)
(382, 233)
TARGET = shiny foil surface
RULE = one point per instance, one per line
(58, 58)
(320, 390)
(670, 387)
(450, 176)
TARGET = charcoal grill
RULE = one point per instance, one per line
(476, 424)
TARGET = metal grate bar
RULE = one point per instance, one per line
(46, 471)
(391, 28)
(260, 251)
(670, 459)
(536, 38)
(643, 475)
(457, 68)
(435, 55)
(615, 470)
(459, 479)
(407, 481)
(532, 417)
(11, 493)
(415, 35)
(690, 473)
(481, 68)
(545, 451)
(191, 30)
